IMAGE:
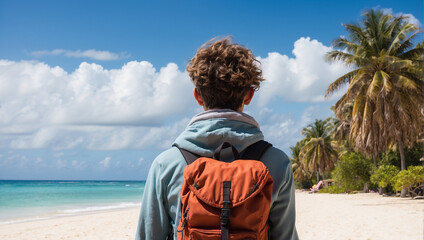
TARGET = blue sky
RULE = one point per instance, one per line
(96, 89)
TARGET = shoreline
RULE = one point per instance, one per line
(108, 224)
(32, 200)
(319, 216)
(9, 221)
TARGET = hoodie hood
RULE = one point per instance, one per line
(209, 129)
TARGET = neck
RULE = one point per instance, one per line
(240, 109)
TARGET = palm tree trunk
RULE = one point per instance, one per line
(402, 156)
(323, 175)
(402, 164)
(374, 159)
(381, 190)
(317, 177)
(366, 188)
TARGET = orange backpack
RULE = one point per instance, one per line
(226, 200)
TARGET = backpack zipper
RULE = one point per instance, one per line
(183, 224)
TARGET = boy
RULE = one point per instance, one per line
(225, 76)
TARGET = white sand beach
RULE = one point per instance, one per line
(319, 216)
(358, 216)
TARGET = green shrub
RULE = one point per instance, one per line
(384, 175)
(334, 189)
(411, 179)
(304, 184)
(352, 171)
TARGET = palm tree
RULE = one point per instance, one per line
(317, 154)
(341, 124)
(341, 129)
(300, 172)
(385, 85)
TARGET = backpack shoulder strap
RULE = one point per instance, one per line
(189, 157)
(253, 152)
(256, 150)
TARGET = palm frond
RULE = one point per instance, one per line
(399, 45)
(413, 54)
(339, 82)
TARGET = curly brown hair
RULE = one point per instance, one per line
(223, 72)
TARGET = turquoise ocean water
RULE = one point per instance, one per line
(30, 200)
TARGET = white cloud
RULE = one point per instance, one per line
(411, 18)
(79, 164)
(38, 160)
(284, 130)
(33, 94)
(140, 161)
(304, 78)
(41, 139)
(94, 108)
(102, 137)
(90, 53)
(61, 163)
(105, 162)
(136, 106)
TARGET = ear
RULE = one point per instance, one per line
(197, 96)
(249, 96)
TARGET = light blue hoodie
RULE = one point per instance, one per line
(161, 204)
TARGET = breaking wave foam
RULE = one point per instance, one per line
(100, 208)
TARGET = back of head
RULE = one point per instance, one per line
(223, 73)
